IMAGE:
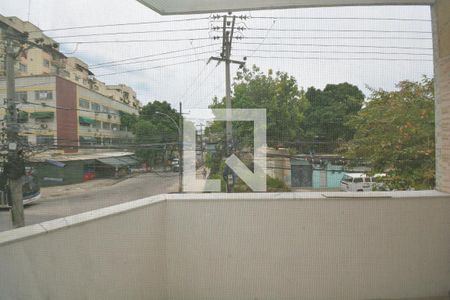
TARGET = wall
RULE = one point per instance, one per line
(306, 248)
(441, 38)
(118, 255)
(240, 246)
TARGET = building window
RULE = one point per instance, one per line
(95, 106)
(97, 125)
(64, 73)
(106, 125)
(44, 140)
(87, 140)
(23, 68)
(46, 63)
(77, 78)
(115, 127)
(22, 96)
(43, 95)
(105, 109)
(84, 103)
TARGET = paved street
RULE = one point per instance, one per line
(57, 202)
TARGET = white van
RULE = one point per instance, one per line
(359, 182)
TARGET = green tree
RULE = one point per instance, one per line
(128, 120)
(156, 131)
(395, 134)
(278, 93)
(328, 113)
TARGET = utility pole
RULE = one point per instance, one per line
(180, 148)
(225, 56)
(15, 167)
(16, 43)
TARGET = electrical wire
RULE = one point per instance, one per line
(336, 45)
(340, 58)
(152, 55)
(339, 37)
(340, 30)
(151, 68)
(337, 52)
(346, 18)
(152, 60)
(195, 80)
(135, 41)
(129, 32)
(123, 24)
(268, 30)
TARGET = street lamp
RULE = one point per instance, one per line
(180, 147)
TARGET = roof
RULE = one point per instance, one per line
(73, 157)
(176, 7)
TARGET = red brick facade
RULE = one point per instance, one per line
(66, 115)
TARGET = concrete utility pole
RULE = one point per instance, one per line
(15, 168)
(180, 147)
(225, 56)
(16, 43)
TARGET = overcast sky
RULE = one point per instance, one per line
(196, 83)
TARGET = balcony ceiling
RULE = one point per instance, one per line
(176, 7)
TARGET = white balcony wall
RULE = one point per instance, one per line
(240, 246)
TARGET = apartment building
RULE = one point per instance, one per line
(56, 111)
(50, 61)
(61, 102)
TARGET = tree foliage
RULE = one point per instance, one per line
(328, 113)
(156, 125)
(394, 132)
(278, 93)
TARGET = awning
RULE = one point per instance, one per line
(42, 115)
(86, 120)
(111, 161)
(128, 160)
(56, 163)
(119, 161)
(174, 7)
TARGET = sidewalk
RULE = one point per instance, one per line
(60, 190)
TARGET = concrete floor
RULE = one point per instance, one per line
(61, 201)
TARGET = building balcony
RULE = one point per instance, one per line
(377, 245)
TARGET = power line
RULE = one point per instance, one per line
(338, 52)
(337, 45)
(340, 58)
(340, 37)
(123, 24)
(151, 60)
(268, 30)
(193, 81)
(340, 30)
(151, 68)
(347, 18)
(254, 29)
(152, 55)
(131, 32)
(135, 41)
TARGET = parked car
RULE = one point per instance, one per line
(361, 182)
(31, 189)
